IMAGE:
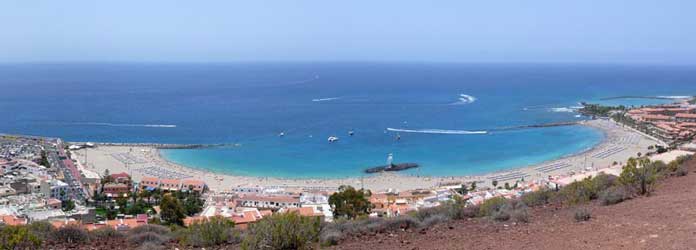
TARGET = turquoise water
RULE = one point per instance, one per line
(439, 111)
(510, 149)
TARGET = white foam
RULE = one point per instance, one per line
(562, 110)
(325, 99)
(438, 131)
(125, 125)
(465, 99)
(675, 96)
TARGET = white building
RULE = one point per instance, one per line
(55, 189)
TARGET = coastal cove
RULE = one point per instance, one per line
(451, 158)
(619, 144)
(273, 119)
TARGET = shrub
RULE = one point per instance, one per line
(490, 206)
(469, 212)
(455, 210)
(354, 227)
(105, 233)
(434, 220)
(330, 237)
(537, 198)
(582, 214)
(500, 215)
(70, 234)
(602, 182)
(210, 232)
(613, 196)
(578, 192)
(42, 229)
(18, 237)
(150, 228)
(149, 233)
(283, 231)
(151, 246)
(399, 222)
(512, 209)
(148, 237)
(681, 171)
(673, 166)
(425, 213)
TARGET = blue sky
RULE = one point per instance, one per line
(589, 31)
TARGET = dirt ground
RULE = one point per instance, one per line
(664, 220)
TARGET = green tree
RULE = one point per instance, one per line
(44, 159)
(639, 174)
(111, 214)
(138, 207)
(68, 205)
(193, 203)
(122, 205)
(18, 237)
(171, 210)
(495, 183)
(463, 190)
(107, 177)
(349, 202)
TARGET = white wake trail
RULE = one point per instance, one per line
(438, 131)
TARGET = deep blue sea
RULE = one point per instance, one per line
(433, 108)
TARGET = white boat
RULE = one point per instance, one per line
(281, 134)
(332, 138)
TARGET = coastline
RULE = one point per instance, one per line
(619, 143)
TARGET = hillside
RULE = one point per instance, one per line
(664, 220)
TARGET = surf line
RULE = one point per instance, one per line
(325, 99)
(124, 124)
(482, 132)
(438, 131)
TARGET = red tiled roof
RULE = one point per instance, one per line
(275, 198)
(303, 211)
(686, 115)
(245, 217)
(149, 179)
(120, 175)
(53, 201)
(656, 117)
(12, 220)
(193, 182)
(169, 181)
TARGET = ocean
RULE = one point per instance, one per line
(449, 118)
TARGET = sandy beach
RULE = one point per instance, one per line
(619, 144)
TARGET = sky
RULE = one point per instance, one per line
(586, 31)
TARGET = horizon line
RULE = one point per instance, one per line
(304, 61)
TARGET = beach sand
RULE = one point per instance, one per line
(619, 144)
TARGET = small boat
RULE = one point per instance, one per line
(351, 133)
(281, 134)
(332, 138)
(398, 137)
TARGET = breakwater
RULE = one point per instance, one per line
(160, 145)
(542, 125)
(392, 167)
